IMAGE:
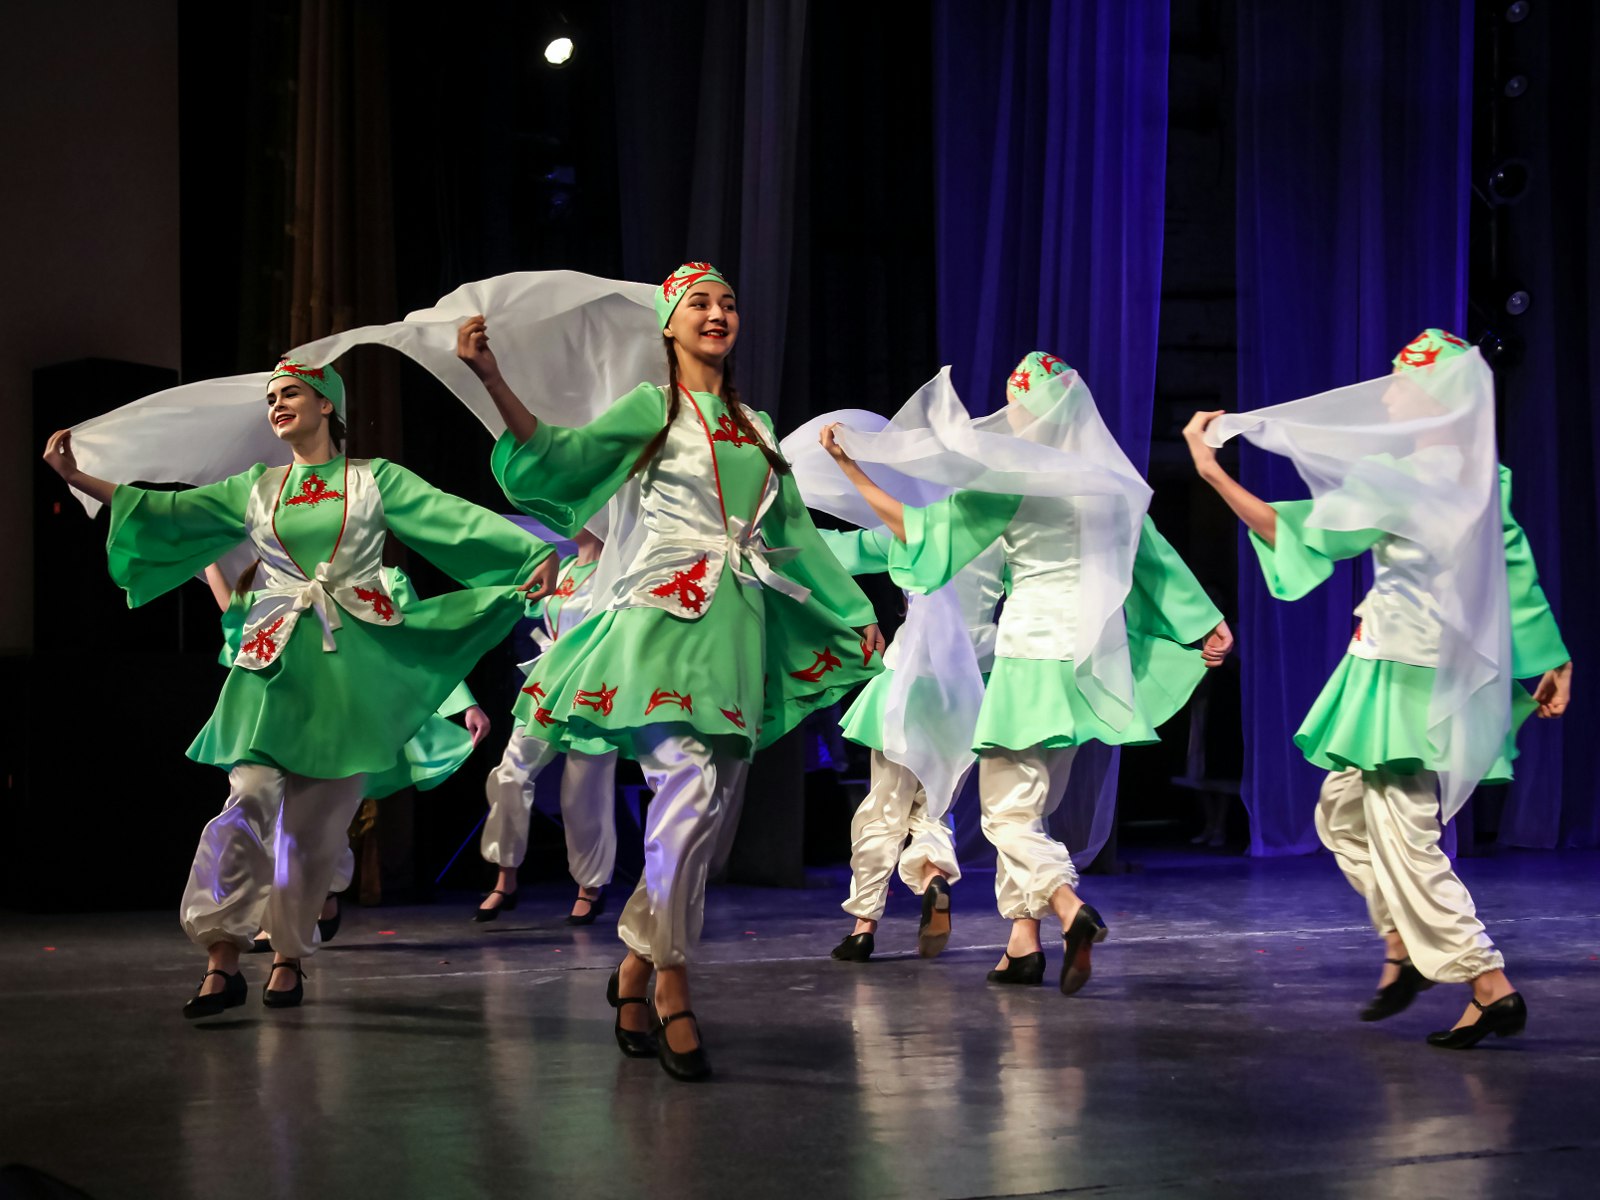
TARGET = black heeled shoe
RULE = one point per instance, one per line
(934, 931)
(1506, 1017)
(1396, 997)
(259, 945)
(692, 1065)
(290, 998)
(508, 904)
(629, 1041)
(233, 993)
(596, 907)
(1086, 930)
(855, 948)
(327, 927)
(1027, 970)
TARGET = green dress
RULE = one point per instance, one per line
(1373, 712)
(311, 711)
(1033, 697)
(709, 628)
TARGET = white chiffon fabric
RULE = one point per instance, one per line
(1413, 454)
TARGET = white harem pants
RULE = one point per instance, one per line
(588, 808)
(1017, 790)
(896, 808)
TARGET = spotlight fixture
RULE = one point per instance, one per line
(1518, 11)
(1515, 86)
(558, 51)
(1508, 181)
(1517, 300)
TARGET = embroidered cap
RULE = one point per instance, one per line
(1429, 347)
(677, 285)
(1025, 385)
(324, 380)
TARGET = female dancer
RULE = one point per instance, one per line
(1376, 726)
(896, 806)
(299, 726)
(1041, 703)
(588, 780)
(723, 621)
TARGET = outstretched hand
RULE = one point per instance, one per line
(1554, 692)
(472, 348)
(58, 453)
(543, 580)
(477, 722)
(1217, 646)
(1194, 434)
(830, 443)
(872, 642)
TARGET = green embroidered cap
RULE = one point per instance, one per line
(1428, 347)
(677, 285)
(1025, 385)
(324, 380)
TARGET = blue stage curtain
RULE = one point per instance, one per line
(1353, 193)
(1050, 135)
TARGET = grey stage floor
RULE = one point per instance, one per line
(1216, 1052)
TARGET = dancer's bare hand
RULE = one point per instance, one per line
(1194, 434)
(1217, 645)
(472, 348)
(543, 580)
(872, 642)
(830, 443)
(1554, 692)
(477, 722)
(58, 453)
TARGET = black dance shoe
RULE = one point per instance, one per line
(233, 993)
(934, 932)
(855, 948)
(692, 1065)
(1085, 931)
(260, 945)
(1027, 970)
(290, 998)
(508, 904)
(596, 907)
(1396, 997)
(327, 927)
(630, 1042)
(1506, 1017)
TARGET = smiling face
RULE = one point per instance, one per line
(706, 322)
(295, 410)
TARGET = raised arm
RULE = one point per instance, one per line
(1246, 505)
(889, 510)
(472, 348)
(58, 453)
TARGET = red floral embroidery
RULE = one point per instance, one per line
(314, 490)
(675, 284)
(262, 645)
(1452, 339)
(661, 696)
(728, 431)
(1019, 379)
(568, 586)
(544, 716)
(1415, 356)
(826, 661)
(535, 690)
(285, 367)
(1357, 636)
(736, 715)
(1051, 364)
(382, 606)
(685, 585)
(599, 699)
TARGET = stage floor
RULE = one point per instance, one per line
(1215, 1052)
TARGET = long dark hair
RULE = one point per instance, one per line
(730, 397)
(247, 579)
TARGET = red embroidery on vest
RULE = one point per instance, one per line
(314, 490)
(1357, 636)
(382, 606)
(544, 716)
(661, 696)
(736, 715)
(568, 586)
(599, 699)
(535, 690)
(729, 431)
(262, 645)
(826, 661)
(686, 586)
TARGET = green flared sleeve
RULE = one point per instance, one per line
(159, 540)
(475, 547)
(458, 701)
(1303, 557)
(404, 594)
(943, 537)
(1536, 645)
(788, 523)
(562, 476)
(1165, 599)
(859, 551)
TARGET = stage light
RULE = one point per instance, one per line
(1516, 86)
(1508, 182)
(1518, 11)
(1517, 301)
(558, 51)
